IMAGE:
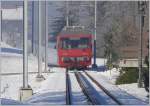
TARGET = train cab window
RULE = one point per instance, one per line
(74, 43)
(84, 43)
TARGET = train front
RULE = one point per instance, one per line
(74, 51)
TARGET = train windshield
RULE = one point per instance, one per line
(75, 43)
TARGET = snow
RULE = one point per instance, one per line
(100, 61)
(112, 74)
(12, 69)
(12, 83)
(12, 14)
(52, 90)
(114, 90)
(134, 90)
(15, 63)
(100, 94)
(4, 45)
(50, 85)
(52, 56)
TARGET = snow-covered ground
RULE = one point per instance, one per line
(3, 44)
(53, 89)
(10, 84)
(121, 94)
(13, 63)
(111, 74)
(134, 90)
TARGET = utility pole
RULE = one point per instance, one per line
(35, 27)
(25, 91)
(25, 42)
(141, 9)
(94, 64)
(1, 23)
(46, 35)
(67, 18)
(32, 27)
(39, 43)
(40, 76)
(0, 46)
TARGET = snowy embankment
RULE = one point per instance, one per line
(13, 63)
(112, 75)
(7, 50)
(52, 89)
(120, 94)
(12, 72)
(132, 88)
(12, 69)
(11, 83)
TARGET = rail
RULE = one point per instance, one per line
(68, 89)
(86, 89)
(105, 90)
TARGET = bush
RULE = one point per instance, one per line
(128, 75)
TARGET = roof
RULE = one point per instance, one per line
(72, 30)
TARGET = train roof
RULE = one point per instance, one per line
(74, 30)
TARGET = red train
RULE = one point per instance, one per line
(74, 48)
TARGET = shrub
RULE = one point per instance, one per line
(128, 75)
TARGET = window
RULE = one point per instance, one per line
(74, 43)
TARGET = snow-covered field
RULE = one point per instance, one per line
(12, 63)
(10, 84)
(134, 90)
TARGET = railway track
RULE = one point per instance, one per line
(105, 90)
(68, 89)
(86, 89)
